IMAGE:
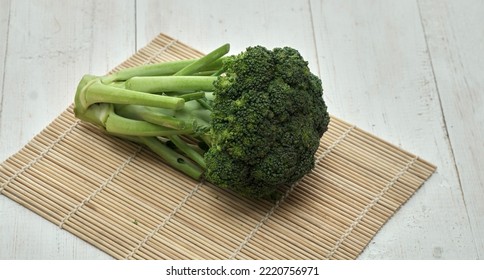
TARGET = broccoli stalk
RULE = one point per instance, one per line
(249, 122)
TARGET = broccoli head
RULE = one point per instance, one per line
(267, 118)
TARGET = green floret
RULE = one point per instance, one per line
(250, 70)
(291, 67)
(249, 122)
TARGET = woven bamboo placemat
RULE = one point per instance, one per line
(121, 198)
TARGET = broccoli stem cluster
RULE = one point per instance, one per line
(165, 106)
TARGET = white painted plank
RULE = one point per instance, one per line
(205, 25)
(377, 74)
(4, 17)
(51, 44)
(455, 36)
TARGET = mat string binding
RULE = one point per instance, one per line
(166, 220)
(100, 188)
(369, 206)
(162, 50)
(40, 156)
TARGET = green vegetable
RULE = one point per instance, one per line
(249, 122)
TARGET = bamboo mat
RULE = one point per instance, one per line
(122, 199)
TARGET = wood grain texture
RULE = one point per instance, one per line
(4, 23)
(456, 49)
(407, 71)
(378, 74)
(240, 23)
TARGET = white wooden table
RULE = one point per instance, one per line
(410, 72)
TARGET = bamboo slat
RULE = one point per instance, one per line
(124, 200)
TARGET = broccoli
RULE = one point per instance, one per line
(249, 122)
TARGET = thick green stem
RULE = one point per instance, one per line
(158, 69)
(96, 114)
(173, 158)
(188, 151)
(104, 116)
(199, 64)
(150, 114)
(171, 83)
(192, 96)
(120, 125)
(96, 92)
(161, 69)
(204, 104)
(207, 139)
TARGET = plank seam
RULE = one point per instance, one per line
(315, 43)
(5, 55)
(445, 125)
(373, 202)
(287, 193)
